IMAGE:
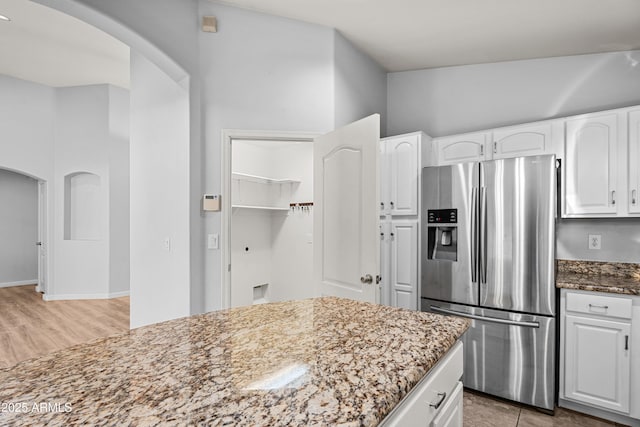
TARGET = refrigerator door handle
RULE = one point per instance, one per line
(474, 234)
(483, 235)
(486, 319)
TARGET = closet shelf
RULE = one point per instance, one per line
(262, 208)
(262, 179)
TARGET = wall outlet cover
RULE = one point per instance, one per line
(595, 241)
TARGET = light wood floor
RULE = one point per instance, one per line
(31, 327)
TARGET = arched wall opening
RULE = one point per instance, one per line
(20, 228)
(162, 106)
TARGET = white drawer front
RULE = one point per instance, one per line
(599, 305)
(451, 414)
(418, 408)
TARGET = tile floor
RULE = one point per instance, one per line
(482, 411)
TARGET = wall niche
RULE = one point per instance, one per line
(82, 210)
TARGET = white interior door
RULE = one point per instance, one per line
(42, 233)
(346, 215)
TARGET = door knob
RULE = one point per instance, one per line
(367, 278)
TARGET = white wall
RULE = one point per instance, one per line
(256, 72)
(445, 101)
(26, 120)
(250, 229)
(51, 133)
(18, 228)
(360, 84)
(620, 239)
(159, 156)
(81, 145)
(280, 244)
(265, 73)
(119, 230)
(452, 100)
(292, 236)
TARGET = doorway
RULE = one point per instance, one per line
(267, 217)
(21, 229)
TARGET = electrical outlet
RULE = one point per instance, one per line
(594, 241)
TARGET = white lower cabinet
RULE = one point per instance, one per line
(399, 263)
(597, 362)
(436, 400)
(599, 369)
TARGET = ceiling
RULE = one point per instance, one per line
(42, 45)
(414, 34)
(45, 46)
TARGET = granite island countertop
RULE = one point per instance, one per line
(596, 276)
(321, 361)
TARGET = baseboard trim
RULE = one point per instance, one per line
(62, 297)
(19, 283)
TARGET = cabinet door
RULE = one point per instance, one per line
(597, 362)
(591, 165)
(403, 154)
(634, 162)
(471, 147)
(522, 141)
(385, 262)
(404, 264)
(385, 177)
(451, 413)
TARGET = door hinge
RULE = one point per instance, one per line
(229, 268)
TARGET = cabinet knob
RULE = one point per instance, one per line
(382, 205)
(633, 197)
(391, 203)
(613, 197)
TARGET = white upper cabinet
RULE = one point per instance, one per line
(404, 160)
(634, 162)
(513, 141)
(469, 147)
(526, 140)
(591, 158)
(401, 160)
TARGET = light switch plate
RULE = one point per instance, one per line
(595, 241)
(213, 241)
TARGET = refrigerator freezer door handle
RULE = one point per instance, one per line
(483, 235)
(484, 318)
(474, 234)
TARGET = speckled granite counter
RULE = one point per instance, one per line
(611, 277)
(323, 361)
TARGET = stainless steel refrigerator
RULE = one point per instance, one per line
(488, 254)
